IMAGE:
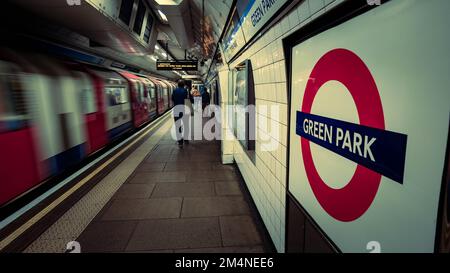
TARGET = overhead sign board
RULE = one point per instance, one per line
(369, 127)
(177, 65)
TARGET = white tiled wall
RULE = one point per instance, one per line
(266, 177)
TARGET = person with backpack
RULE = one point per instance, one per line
(206, 99)
(179, 96)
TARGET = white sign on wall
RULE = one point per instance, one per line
(257, 14)
(253, 16)
(369, 126)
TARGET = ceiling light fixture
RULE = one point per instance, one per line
(168, 2)
(162, 16)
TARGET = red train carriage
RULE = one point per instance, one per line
(151, 98)
(170, 87)
(138, 96)
(162, 94)
(92, 99)
(19, 164)
(54, 114)
(115, 91)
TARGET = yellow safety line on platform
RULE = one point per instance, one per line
(8, 240)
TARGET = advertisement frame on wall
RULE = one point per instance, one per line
(341, 14)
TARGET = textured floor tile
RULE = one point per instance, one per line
(162, 251)
(130, 209)
(183, 190)
(106, 236)
(239, 231)
(251, 249)
(205, 157)
(176, 234)
(151, 167)
(224, 167)
(48, 246)
(164, 148)
(228, 188)
(214, 206)
(187, 166)
(212, 175)
(157, 158)
(178, 176)
(143, 178)
(134, 191)
(180, 151)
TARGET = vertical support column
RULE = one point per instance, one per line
(226, 82)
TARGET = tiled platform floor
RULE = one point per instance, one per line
(177, 200)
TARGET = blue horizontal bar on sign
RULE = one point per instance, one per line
(379, 150)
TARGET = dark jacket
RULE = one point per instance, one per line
(179, 95)
(206, 98)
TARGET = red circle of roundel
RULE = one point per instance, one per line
(351, 202)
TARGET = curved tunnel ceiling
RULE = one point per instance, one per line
(199, 46)
(184, 33)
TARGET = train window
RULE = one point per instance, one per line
(160, 91)
(126, 9)
(6, 107)
(244, 102)
(144, 93)
(152, 92)
(140, 91)
(116, 95)
(148, 28)
(87, 94)
(13, 109)
(139, 18)
(88, 100)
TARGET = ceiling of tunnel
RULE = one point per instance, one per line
(205, 33)
(191, 28)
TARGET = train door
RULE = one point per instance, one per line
(137, 94)
(90, 90)
(117, 107)
(173, 87)
(169, 95)
(166, 96)
(42, 114)
(114, 92)
(19, 164)
(140, 99)
(59, 133)
(160, 97)
(150, 97)
(70, 121)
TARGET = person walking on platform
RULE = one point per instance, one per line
(179, 96)
(206, 99)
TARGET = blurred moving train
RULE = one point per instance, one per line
(54, 114)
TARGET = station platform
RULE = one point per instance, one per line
(165, 199)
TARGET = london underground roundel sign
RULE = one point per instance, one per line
(377, 151)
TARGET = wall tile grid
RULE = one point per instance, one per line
(266, 178)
